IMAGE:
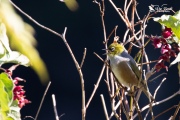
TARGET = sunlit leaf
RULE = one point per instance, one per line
(15, 111)
(10, 56)
(176, 60)
(9, 109)
(4, 100)
(8, 85)
(3, 37)
(171, 21)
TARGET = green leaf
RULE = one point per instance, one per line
(15, 111)
(6, 54)
(6, 97)
(15, 57)
(176, 60)
(170, 21)
(3, 38)
(4, 100)
(8, 83)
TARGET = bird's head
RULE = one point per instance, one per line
(115, 49)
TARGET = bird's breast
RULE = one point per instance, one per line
(124, 74)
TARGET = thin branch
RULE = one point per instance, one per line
(122, 17)
(125, 35)
(70, 51)
(137, 108)
(42, 100)
(159, 102)
(165, 111)
(176, 112)
(96, 86)
(54, 106)
(110, 34)
(114, 109)
(108, 87)
(28, 117)
(80, 74)
(157, 77)
(158, 87)
(130, 39)
(135, 45)
(33, 20)
(104, 107)
(84, 56)
(149, 62)
(137, 15)
(127, 8)
(112, 84)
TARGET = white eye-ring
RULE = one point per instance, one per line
(112, 49)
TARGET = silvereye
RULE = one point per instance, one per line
(125, 68)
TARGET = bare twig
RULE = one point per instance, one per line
(28, 117)
(54, 106)
(96, 86)
(84, 56)
(122, 17)
(110, 34)
(176, 111)
(112, 84)
(127, 8)
(100, 58)
(149, 62)
(42, 100)
(114, 109)
(104, 107)
(79, 71)
(33, 20)
(155, 78)
(159, 102)
(137, 109)
(125, 35)
(158, 87)
(174, 106)
(62, 36)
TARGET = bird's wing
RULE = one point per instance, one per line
(132, 64)
(135, 68)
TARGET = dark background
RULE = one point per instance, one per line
(84, 29)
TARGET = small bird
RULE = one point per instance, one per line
(125, 68)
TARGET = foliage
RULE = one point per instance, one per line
(170, 37)
(21, 38)
(10, 104)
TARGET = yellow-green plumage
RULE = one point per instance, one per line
(124, 68)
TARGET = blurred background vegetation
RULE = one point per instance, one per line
(21, 37)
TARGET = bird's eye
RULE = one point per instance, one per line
(112, 49)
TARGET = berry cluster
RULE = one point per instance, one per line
(19, 93)
(168, 47)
